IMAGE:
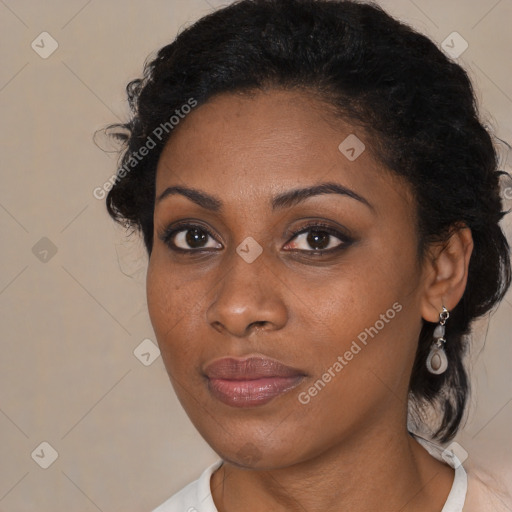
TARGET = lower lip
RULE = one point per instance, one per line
(251, 393)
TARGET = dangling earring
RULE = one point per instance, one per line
(437, 362)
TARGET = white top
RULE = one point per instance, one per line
(197, 496)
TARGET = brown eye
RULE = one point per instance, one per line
(318, 238)
(189, 238)
(195, 237)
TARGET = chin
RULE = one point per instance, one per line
(258, 452)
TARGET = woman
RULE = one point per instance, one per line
(320, 205)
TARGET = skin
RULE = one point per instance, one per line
(348, 448)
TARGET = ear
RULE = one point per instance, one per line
(446, 273)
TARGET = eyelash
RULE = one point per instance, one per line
(345, 240)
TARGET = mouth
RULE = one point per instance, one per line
(251, 381)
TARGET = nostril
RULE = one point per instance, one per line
(260, 323)
(218, 327)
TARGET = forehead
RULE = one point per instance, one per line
(258, 144)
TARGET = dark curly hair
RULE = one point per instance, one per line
(417, 106)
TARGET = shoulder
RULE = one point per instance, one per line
(476, 487)
(486, 491)
(195, 496)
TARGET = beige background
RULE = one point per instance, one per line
(70, 321)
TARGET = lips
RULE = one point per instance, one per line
(250, 382)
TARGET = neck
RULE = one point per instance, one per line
(378, 470)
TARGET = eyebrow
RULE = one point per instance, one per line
(284, 200)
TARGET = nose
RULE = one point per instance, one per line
(248, 297)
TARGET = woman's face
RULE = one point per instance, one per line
(278, 352)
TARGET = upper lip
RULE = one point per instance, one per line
(248, 368)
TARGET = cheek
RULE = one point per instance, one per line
(159, 290)
(172, 301)
(360, 314)
(348, 299)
